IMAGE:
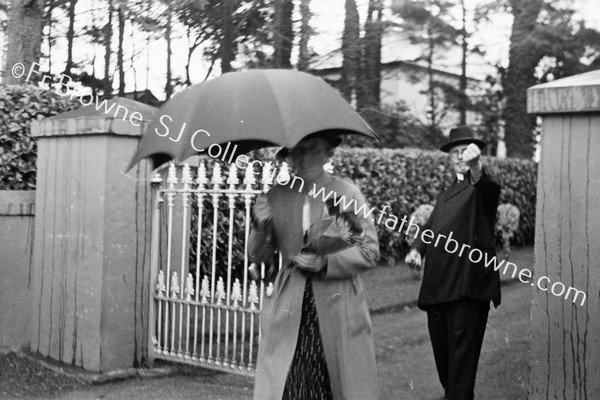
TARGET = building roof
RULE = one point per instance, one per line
(398, 51)
(398, 64)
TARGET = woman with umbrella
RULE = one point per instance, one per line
(316, 339)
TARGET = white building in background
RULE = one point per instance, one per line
(403, 81)
(404, 77)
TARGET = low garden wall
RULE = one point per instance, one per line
(17, 210)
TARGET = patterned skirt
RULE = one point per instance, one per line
(308, 378)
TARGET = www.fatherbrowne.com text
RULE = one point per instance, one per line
(451, 245)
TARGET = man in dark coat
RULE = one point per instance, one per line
(459, 279)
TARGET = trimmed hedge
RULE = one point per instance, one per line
(401, 178)
(404, 179)
(19, 105)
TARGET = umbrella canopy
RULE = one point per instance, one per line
(250, 109)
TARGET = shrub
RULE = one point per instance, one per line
(407, 178)
(404, 179)
(19, 106)
(507, 224)
(420, 217)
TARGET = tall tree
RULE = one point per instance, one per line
(227, 46)
(305, 34)
(108, 31)
(219, 26)
(350, 50)
(70, 37)
(120, 56)
(429, 24)
(546, 43)
(368, 89)
(168, 28)
(524, 56)
(23, 36)
(283, 33)
(462, 107)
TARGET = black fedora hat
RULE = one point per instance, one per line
(331, 136)
(461, 135)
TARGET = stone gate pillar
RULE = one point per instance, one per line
(565, 362)
(91, 257)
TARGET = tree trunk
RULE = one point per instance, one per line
(463, 77)
(70, 37)
(168, 86)
(350, 50)
(368, 90)
(48, 21)
(523, 59)
(283, 34)
(375, 81)
(305, 33)
(120, 66)
(108, 51)
(431, 85)
(23, 38)
(226, 48)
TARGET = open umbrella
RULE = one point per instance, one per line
(249, 109)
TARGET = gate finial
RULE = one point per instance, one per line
(160, 284)
(205, 291)
(253, 295)
(189, 287)
(217, 179)
(220, 290)
(202, 180)
(249, 179)
(232, 179)
(174, 285)
(236, 293)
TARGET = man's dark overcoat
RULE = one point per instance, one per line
(466, 213)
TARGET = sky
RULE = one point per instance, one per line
(328, 22)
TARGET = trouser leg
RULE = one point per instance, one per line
(438, 333)
(467, 320)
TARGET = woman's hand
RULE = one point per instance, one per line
(310, 262)
(261, 211)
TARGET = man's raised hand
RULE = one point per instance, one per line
(471, 155)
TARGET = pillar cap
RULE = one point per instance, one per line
(574, 94)
(118, 116)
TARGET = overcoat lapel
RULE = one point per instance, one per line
(456, 189)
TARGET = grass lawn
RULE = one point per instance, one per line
(389, 289)
(404, 356)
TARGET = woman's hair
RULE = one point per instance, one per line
(332, 142)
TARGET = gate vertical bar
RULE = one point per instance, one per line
(171, 182)
(216, 181)
(201, 181)
(232, 181)
(249, 181)
(189, 292)
(186, 180)
(236, 296)
(155, 338)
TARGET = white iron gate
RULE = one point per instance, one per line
(205, 308)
